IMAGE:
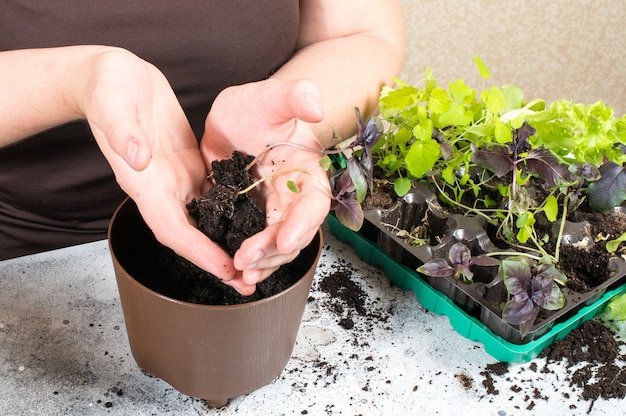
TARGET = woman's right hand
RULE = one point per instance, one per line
(143, 132)
(138, 124)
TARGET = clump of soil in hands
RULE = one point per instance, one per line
(223, 214)
(227, 217)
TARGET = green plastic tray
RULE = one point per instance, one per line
(467, 326)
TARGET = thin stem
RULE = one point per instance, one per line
(561, 229)
(540, 247)
(458, 204)
(297, 146)
(281, 172)
(512, 253)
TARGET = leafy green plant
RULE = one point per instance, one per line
(491, 153)
(516, 163)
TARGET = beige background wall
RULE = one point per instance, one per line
(552, 49)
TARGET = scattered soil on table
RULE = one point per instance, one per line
(594, 361)
(347, 299)
(228, 218)
(592, 353)
(357, 312)
(603, 376)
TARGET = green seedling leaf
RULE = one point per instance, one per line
(326, 163)
(490, 202)
(293, 187)
(402, 186)
(616, 308)
(504, 190)
(551, 208)
(496, 101)
(517, 115)
(402, 136)
(400, 98)
(525, 222)
(502, 132)
(520, 178)
(612, 245)
(457, 115)
(421, 157)
(448, 175)
(482, 68)
(460, 90)
(424, 130)
(439, 101)
(514, 97)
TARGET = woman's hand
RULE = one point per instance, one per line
(249, 118)
(145, 136)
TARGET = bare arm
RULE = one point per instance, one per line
(138, 124)
(350, 49)
(32, 94)
(346, 50)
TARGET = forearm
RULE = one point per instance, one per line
(349, 64)
(36, 89)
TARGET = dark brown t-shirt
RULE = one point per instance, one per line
(56, 189)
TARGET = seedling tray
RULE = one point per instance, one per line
(466, 325)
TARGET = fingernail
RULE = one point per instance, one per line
(255, 260)
(259, 255)
(313, 102)
(131, 154)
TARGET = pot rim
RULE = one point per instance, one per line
(199, 305)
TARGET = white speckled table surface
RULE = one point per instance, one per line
(64, 351)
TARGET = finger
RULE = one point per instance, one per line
(175, 231)
(124, 137)
(257, 275)
(305, 101)
(288, 99)
(131, 143)
(241, 286)
(258, 257)
(301, 222)
(207, 255)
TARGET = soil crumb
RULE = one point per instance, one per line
(591, 353)
(603, 374)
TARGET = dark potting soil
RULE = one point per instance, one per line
(347, 299)
(592, 263)
(592, 351)
(585, 268)
(228, 219)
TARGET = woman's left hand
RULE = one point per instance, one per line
(250, 117)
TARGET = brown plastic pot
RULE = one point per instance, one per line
(210, 352)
